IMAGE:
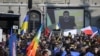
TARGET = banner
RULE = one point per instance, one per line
(1, 35)
(73, 32)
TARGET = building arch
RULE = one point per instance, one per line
(34, 19)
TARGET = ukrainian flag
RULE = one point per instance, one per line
(25, 25)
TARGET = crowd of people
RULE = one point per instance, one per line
(80, 45)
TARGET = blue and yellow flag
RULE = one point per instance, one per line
(25, 25)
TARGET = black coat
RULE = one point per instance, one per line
(67, 23)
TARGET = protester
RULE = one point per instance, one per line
(45, 53)
(80, 45)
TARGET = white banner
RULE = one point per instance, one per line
(73, 32)
(15, 27)
(1, 35)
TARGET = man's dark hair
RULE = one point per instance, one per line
(44, 52)
(66, 12)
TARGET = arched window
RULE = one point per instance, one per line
(35, 20)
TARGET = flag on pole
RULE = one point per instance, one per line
(46, 32)
(24, 25)
(32, 48)
(87, 30)
(90, 30)
(94, 34)
(12, 44)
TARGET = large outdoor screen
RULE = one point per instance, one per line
(65, 17)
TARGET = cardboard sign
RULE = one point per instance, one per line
(15, 27)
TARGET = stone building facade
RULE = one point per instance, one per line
(20, 7)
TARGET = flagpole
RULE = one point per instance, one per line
(50, 36)
(98, 30)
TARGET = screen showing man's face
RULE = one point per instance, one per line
(54, 14)
(66, 15)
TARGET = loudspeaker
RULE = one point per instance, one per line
(29, 4)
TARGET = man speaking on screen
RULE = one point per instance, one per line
(66, 21)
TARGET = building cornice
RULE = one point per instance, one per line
(25, 4)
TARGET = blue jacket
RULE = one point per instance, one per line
(64, 53)
(89, 54)
(75, 53)
(55, 51)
